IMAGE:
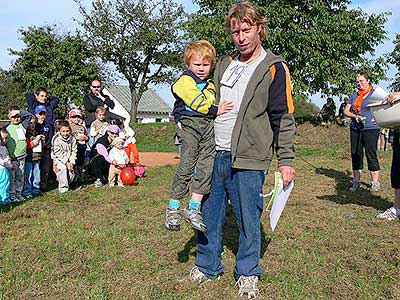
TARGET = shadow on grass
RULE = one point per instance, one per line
(343, 196)
(230, 239)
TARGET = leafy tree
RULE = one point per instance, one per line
(394, 58)
(323, 41)
(10, 94)
(141, 38)
(62, 63)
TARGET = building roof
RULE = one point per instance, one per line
(150, 102)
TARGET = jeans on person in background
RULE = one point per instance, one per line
(17, 179)
(244, 189)
(32, 178)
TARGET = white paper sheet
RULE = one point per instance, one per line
(279, 198)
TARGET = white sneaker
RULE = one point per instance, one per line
(389, 214)
(247, 286)
(98, 183)
(199, 277)
(375, 186)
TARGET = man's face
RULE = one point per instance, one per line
(95, 87)
(65, 132)
(41, 97)
(362, 82)
(246, 37)
(200, 66)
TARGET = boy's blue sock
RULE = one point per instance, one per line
(174, 204)
(193, 204)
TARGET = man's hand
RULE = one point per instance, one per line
(391, 97)
(224, 107)
(287, 175)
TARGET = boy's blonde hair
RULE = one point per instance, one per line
(246, 12)
(203, 48)
(100, 109)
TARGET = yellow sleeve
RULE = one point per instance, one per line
(201, 101)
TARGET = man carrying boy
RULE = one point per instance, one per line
(258, 82)
(194, 112)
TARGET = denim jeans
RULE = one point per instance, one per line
(244, 189)
(32, 178)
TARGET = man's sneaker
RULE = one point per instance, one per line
(172, 219)
(199, 277)
(375, 186)
(247, 286)
(98, 183)
(193, 216)
(355, 185)
(389, 214)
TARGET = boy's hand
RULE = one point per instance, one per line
(13, 168)
(224, 107)
(70, 166)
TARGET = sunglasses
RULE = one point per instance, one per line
(96, 86)
(74, 117)
(113, 133)
(16, 117)
(42, 113)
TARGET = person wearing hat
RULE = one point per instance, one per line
(16, 146)
(42, 97)
(42, 126)
(79, 131)
(119, 159)
(99, 158)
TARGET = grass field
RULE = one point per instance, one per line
(111, 244)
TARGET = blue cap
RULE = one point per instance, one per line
(40, 108)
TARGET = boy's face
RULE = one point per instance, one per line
(200, 66)
(31, 126)
(65, 132)
(41, 97)
(4, 137)
(16, 119)
(41, 117)
(101, 116)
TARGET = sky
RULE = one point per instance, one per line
(19, 14)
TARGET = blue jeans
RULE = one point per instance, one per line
(32, 178)
(244, 189)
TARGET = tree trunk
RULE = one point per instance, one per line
(134, 103)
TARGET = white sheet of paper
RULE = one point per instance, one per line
(37, 148)
(280, 200)
(21, 134)
(233, 73)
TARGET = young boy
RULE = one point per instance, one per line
(119, 159)
(63, 153)
(16, 146)
(5, 168)
(41, 97)
(34, 143)
(194, 112)
(99, 126)
(44, 128)
(79, 131)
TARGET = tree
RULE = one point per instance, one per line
(394, 58)
(62, 63)
(10, 93)
(323, 41)
(143, 39)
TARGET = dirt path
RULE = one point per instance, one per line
(151, 159)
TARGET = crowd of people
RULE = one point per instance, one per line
(35, 145)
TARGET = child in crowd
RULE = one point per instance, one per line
(194, 112)
(41, 97)
(130, 147)
(47, 130)
(34, 143)
(79, 131)
(5, 167)
(64, 151)
(98, 128)
(119, 159)
(16, 146)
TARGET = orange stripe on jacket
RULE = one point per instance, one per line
(289, 97)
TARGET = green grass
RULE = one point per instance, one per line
(111, 244)
(156, 137)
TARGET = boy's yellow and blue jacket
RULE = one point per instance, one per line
(194, 97)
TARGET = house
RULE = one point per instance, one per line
(152, 108)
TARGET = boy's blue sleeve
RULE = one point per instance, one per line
(31, 101)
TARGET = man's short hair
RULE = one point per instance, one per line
(100, 109)
(246, 12)
(203, 48)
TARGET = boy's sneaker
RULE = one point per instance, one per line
(98, 183)
(20, 198)
(389, 214)
(355, 185)
(199, 277)
(172, 219)
(247, 286)
(193, 216)
(375, 186)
